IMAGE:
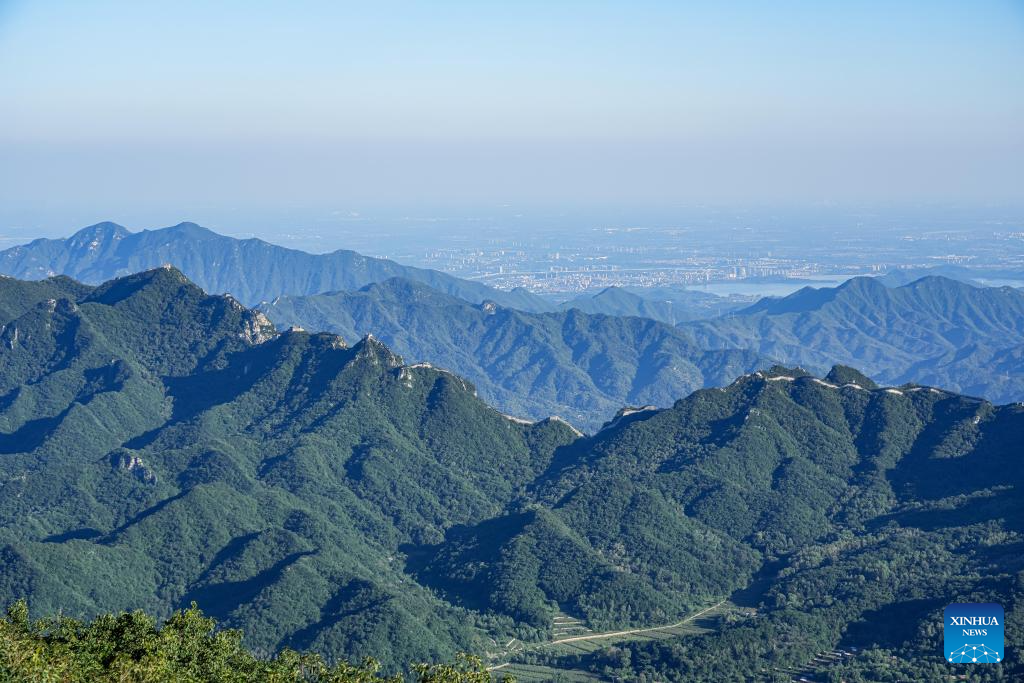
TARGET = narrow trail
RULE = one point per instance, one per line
(615, 634)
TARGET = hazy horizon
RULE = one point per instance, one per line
(393, 231)
(159, 114)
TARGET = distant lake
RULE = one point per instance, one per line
(755, 288)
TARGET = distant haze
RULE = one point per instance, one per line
(154, 108)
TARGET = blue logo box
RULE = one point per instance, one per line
(973, 633)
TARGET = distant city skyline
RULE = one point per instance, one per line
(161, 112)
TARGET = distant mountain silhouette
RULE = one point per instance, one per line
(897, 277)
(251, 270)
(670, 307)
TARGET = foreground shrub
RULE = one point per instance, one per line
(186, 647)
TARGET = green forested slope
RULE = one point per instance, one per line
(866, 511)
(932, 331)
(159, 446)
(581, 366)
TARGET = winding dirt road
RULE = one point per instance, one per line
(598, 636)
(614, 634)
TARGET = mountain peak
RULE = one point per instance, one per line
(812, 298)
(377, 352)
(191, 230)
(163, 281)
(104, 228)
(938, 282)
(98, 234)
(844, 374)
(166, 271)
(618, 294)
(862, 283)
(804, 299)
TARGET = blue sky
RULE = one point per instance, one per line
(152, 104)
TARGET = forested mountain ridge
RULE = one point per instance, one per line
(158, 445)
(851, 515)
(250, 269)
(578, 365)
(934, 331)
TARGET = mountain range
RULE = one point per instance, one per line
(582, 366)
(670, 306)
(159, 445)
(250, 269)
(932, 331)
